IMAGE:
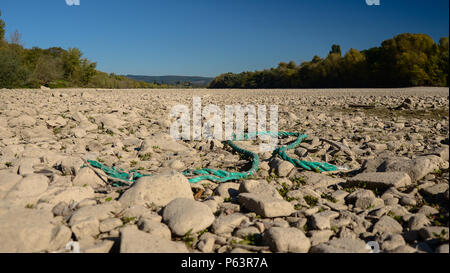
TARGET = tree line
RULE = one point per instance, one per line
(54, 67)
(403, 61)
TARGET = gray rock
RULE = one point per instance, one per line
(381, 180)
(417, 221)
(427, 210)
(387, 224)
(227, 190)
(22, 121)
(404, 249)
(183, 215)
(206, 245)
(136, 241)
(140, 211)
(31, 185)
(227, 223)
(321, 220)
(102, 246)
(158, 189)
(155, 228)
(87, 177)
(70, 165)
(318, 180)
(7, 181)
(320, 236)
(28, 230)
(86, 228)
(110, 224)
(416, 168)
(390, 242)
(99, 212)
(408, 201)
(161, 141)
(287, 240)
(361, 198)
(56, 195)
(266, 206)
(243, 232)
(341, 245)
(436, 190)
(339, 195)
(377, 146)
(259, 187)
(433, 232)
(281, 167)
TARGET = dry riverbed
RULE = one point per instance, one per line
(393, 143)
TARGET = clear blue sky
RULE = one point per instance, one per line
(210, 37)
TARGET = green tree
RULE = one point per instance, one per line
(443, 61)
(2, 28)
(71, 64)
(12, 73)
(335, 49)
(47, 70)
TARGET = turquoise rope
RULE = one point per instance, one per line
(222, 175)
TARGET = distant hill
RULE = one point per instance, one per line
(174, 80)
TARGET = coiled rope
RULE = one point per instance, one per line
(219, 176)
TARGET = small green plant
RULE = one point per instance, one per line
(200, 233)
(63, 148)
(133, 163)
(441, 236)
(310, 200)
(125, 149)
(438, 172)
(145, 157)
(155, 147)
(284, 190)
(271, 177)
(298, 181)
(108, 199)
(305, 227)
(290, 199)
(8, 164)
(57, 131)
(109, 132)
(396, 218)
(438, 220)
(350, 189)
(329, 197)
(252, 239)
(29, 206)
(188, 239)
(298, 207)
(100, 160)
(127, 220)
(227, 199)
